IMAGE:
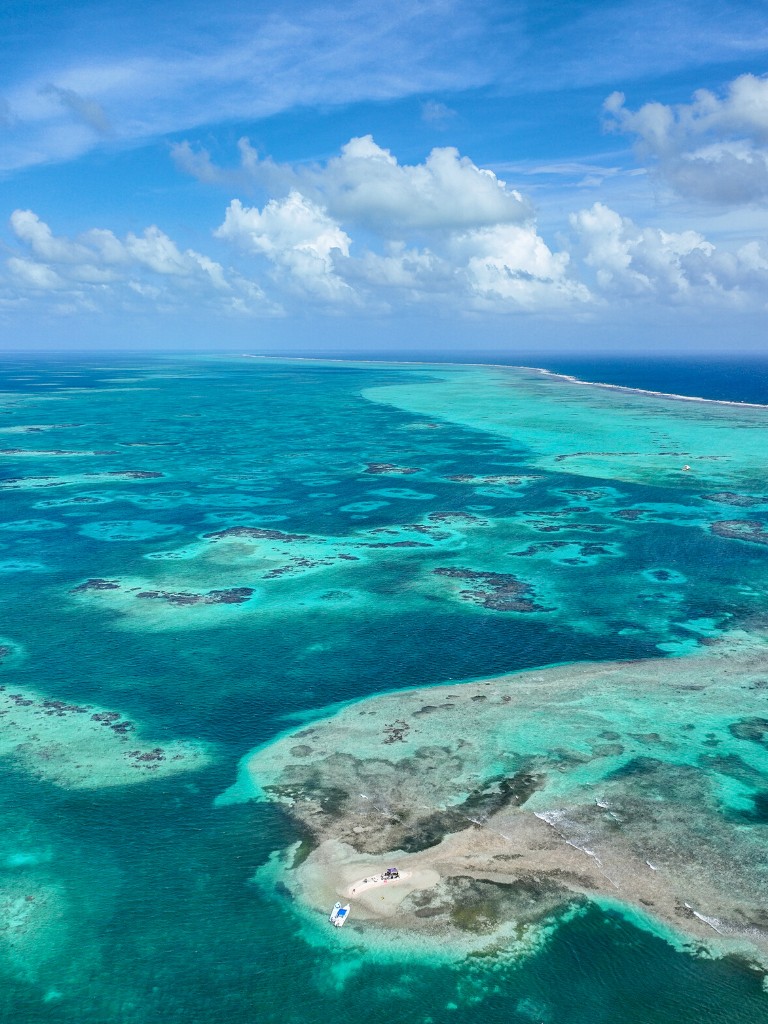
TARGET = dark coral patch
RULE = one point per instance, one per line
(755, 730)
(397, 544)
(569, 510)
(96, 584)
(454, 517)
(389, 469)
(133, 474)
(731, 498)
(428, 531)
(254, 533)
(503, 480)
(497, 591)
(535, 549)
(741, 529)
(586, 495)
(234, 595)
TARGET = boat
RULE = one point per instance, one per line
(338, 916)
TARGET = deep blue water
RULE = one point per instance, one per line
(733, 380)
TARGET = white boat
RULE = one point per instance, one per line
(339, 915)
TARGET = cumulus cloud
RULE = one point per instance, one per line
(632, 262)
(497, 268)
(97, 266)
(503, 269)
(363, 232)
(34, 275)
(297, 237)
(512, 265)
(453, 234)
(28, 228)
(714, 148)
(367, 186)
(447, 191)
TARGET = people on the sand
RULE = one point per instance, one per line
(388, 875)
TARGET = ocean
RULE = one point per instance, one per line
(202, 553)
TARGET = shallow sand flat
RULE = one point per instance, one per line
(638, 783)
(594, 431)
(79, 746)
(541, 873)
(32, 920)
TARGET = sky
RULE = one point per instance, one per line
(450, 176)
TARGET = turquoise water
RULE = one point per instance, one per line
(125, 893)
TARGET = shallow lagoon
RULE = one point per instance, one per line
(143, 902)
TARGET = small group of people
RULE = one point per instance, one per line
(390, 873)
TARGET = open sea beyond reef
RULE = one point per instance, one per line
(200, 554)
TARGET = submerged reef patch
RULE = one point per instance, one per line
(232, 595)
(741, 529)
(389, 469)
(81, 746)
(494, 480)
(497, 591)
(182, 598)
(739, 500)
(33, 482)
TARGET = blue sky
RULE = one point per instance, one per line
(438, 175)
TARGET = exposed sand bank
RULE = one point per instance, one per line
(336, 872)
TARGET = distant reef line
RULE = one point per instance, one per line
(570, 378)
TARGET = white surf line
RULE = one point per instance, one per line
(707, 920)
(575, 846)
(643, 391)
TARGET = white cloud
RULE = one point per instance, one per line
(632, 262)
(713, 148)
(96, 250)
(513, 266)
(34, 275)
(299, 239)
(97, 270)
(502, 269)
(480, 255)
(28, 228)
(365, 185)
